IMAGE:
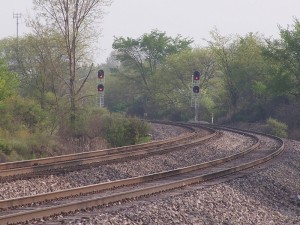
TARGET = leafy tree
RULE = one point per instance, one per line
(8, 82)
(250, 76)
(38, 61)
(118, 95)
(284, 54)
(172, 83)
(73, 22)
(283, 57)
(224, 49)
(140, 59)
(243, 70)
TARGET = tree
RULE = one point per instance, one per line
(243, 70)
(284, 54)
(141, 57)
(8, 82)
(250, 71)
(172, 81)
(283, 57)
(73, 21)
(36, 60)
(224, 49)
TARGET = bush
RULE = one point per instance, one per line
(136, 130)
(114, 129)
(119, 130)
(88, 123)
(277, 128)
(26, 147)
(4, 148)
(18, 113)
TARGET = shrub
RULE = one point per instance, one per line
(18, 113)
(88, 123)
(5, 148)
(137, 129)
(3, 157)
(25, 147)
(119, 130)
(114, 129)
(277, 128)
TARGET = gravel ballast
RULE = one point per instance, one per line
(226, 145)
(267, 196)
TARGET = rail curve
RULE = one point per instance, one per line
(144, 185)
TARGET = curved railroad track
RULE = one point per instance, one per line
(38, 206)
(37, 167)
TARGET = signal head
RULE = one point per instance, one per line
(196, 89)
(100, 87)
(100, 74)
(196, 75)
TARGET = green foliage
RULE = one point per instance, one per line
(137, 130)
(120, 131)
(117, 129)
(172, 82)
(277, 128)
(259, 87)
(23, 128)
(149, 50)
(241, 77)
(118, 98)
(114, 129)
(139, 60)
(25, 147)
(243, 69)
(19, 114)
(88, 123)
(284, 57)
(5, 148)
(8, 82)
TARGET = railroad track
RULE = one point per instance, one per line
(21, 209)
(37, 167)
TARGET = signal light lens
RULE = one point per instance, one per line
(196, 89)
(196, 75)
(101, 74)
(100, 87)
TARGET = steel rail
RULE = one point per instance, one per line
(83, 155)
(119, 183)
(130, 181)
(150, 190)
(105, 158)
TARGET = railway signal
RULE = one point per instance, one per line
(100, 87)
(196, 75)
(196, 89)
(100, 74)
(196, 82)
(195, 92)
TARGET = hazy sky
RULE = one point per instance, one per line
(190, 18)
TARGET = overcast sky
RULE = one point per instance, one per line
(189, 18)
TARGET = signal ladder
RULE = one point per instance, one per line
(100, 100)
